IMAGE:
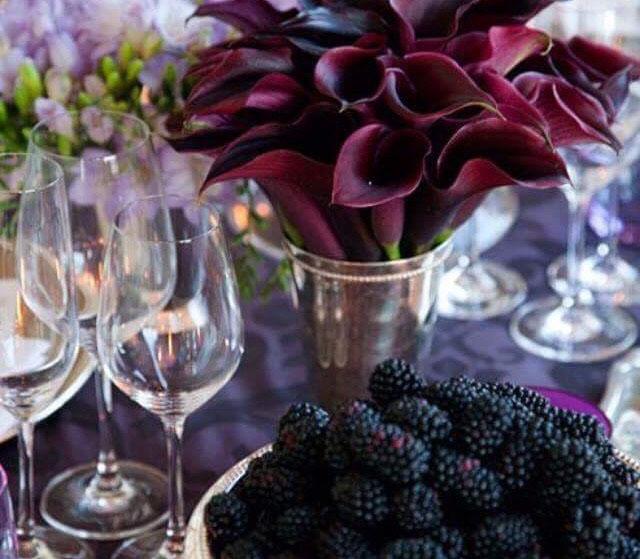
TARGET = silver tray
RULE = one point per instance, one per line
(197, 546)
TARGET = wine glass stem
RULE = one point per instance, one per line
(25, 527)
(469, 248)
(108, 474)
(174, 428)
(578, 206)
(609, 245)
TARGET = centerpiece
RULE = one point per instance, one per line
(376, 127)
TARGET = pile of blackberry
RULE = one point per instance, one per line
(461, 469)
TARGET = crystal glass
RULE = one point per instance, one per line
(573, 328)
(108, 160)
(474, 288)
(577, 326)
(170, 333)
(8, 542)
(38, 322)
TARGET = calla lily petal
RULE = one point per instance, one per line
(430, 86)
(573, 116)
(387, 222)
(511, 103)
(233, 74)
(354, 234)
(350, 74)
(289, 178)
(247, 16)
(376, 165)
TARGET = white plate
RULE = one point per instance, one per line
(82, 369)
(196, 546)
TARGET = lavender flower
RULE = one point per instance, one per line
(99, 126)
(61, 121)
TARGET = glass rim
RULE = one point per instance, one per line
(55, 181)
(119, 114)
(213, 227)
(4, 479)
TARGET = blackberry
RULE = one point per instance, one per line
(390, 453)
(226, 519)
(360, 502)
(485, 425)
(451, 540)
(341, 542)
(454, 395)
(581, 426)
(416, 509)
(303, 411)
(503, 536)
(272, 487)
(620, 472)
(301, 441)
(516, 464)
(531, 400)
(592, 534)
(417, 548)
(336, 452)
(421, 418)
(393, 379)
(621, 501)
(246, 548)
(571, 473)
(629, 548)
(465, 481)
(295, 525)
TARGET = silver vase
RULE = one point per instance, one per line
(358, 314)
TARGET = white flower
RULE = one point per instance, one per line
(60, 120)
(171, 22)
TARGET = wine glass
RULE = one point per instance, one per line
(38, 321)
(475, 288)
(8, 542)
(576, 326)
(107, 159)
(170, 333)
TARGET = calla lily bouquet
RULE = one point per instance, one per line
(374, 126)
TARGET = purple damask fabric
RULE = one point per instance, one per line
(273, 374)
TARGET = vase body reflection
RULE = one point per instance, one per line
(356, 315)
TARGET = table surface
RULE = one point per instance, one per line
(273, 375)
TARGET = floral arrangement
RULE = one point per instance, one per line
(123, 55)
(375, 126)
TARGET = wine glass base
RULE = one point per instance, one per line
(573, 334)
(136, 506)
(480, 291)
(51, 544)
(148, 546)
(613, 281)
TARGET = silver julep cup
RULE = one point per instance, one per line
(358, 314)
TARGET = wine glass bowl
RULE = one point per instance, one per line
(108, 159)
(170, 332)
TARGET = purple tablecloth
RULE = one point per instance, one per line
(243, 416)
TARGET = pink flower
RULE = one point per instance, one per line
(60, 120)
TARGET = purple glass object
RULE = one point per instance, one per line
(8, 543)
(627, 223)
(567, 401)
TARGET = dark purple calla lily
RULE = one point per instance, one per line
(511, 103)
(350, 74)
(248, 16)
(573, 116)
(500, 50)
(368, 171)
(387, 222)
(232, 74)
(429, 86)
(374, 124)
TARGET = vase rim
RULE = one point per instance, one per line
(435, 256)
